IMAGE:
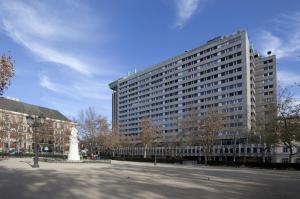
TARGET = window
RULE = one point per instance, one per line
(285, 160)
(254, 150)
(248, 150)
(285, 149)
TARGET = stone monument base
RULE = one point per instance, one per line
(73, 150)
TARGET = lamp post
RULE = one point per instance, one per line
(35, 122)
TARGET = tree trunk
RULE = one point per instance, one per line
(264, 154)
(205, 159)
(145, 151)
(290, 154)
(234, 149)
(205, 155)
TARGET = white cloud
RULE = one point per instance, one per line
(46, 83)
(284, 39)
(47, 36)
(35, 22)
(185, 10)
(82, 88)
(286, 78)
(45, 52)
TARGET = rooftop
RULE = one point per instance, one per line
(21, 107)
(113, 84)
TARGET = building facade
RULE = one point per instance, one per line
(265, 82)
(15, 134)
(225, 73)
(252, 152)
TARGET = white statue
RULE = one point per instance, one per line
(73, 148)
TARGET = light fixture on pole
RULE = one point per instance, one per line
(35, 123)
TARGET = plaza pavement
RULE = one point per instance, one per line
(18, 180)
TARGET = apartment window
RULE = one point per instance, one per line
(285, 149)
(269, 86)
(248, 150)
(254, 150)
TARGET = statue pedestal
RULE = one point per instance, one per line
(73, 148)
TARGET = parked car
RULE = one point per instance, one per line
(16, 152)
(13, 152)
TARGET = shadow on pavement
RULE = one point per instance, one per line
(119, 181)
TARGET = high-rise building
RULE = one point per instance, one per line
(265, 82)
(224, 73)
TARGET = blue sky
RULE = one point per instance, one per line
(66, 52)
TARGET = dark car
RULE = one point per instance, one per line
(15, 152)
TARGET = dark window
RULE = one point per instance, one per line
(254, 150)
(248, 150)
(242, 150)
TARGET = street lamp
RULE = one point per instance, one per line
(35, 122)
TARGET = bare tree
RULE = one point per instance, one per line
(188, 128)
(288, 125)
(265, 129)
(188, 125)
(149, 135)
(115, 140)
(17, 132)
(93, 129)
(208, 129)
(236, 130)
(103, 142)
(125, 142)
(6, 72)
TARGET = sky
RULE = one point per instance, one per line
(66, 52)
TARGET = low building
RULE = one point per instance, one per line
(15, 134)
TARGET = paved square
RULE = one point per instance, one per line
(141, 180)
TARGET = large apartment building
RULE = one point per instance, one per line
(224, 73)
